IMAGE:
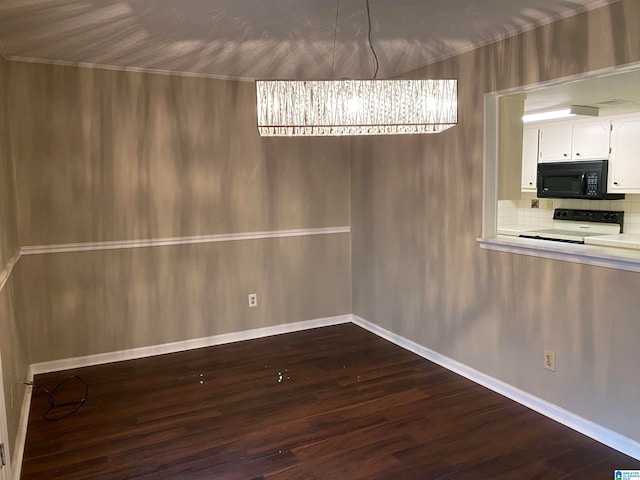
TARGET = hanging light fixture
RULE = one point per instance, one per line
(355, 107)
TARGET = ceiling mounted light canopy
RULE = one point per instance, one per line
(557, 113)
(355, 107)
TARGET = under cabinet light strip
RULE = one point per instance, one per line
(567, 112)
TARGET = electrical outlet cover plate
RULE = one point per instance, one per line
(550, 360)
(253, 300)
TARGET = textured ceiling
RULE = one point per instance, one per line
(613, 93)
(248, 39)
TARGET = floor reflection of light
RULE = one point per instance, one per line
(281, 376)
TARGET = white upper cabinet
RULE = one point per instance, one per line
(624, 163)
(580, 140)
(529, 159)
(591, 140)
(555, 142)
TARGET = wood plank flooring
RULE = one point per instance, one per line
(330, 403)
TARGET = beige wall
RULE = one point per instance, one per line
(418, 271)
(13, 354)
(13, 350)
(108, 155)
(8, 210)
(105, 155)
(94, 302)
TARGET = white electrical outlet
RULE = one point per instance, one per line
(253, 300)
(550, 360)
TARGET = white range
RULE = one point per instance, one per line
(574, 226)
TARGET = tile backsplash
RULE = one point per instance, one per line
(519, 212)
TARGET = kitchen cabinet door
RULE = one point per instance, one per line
(529, 159)
(591, 140)
(555, 142)
(624, 162)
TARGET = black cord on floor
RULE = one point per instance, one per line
(74, 406)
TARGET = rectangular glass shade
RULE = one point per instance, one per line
(355, 107)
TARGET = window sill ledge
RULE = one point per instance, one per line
(608, 257)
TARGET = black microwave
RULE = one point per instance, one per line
(585, 180)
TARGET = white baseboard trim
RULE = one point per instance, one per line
(603, 435)
(21, 436)
(118, 356)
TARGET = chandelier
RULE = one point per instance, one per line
(355, 107)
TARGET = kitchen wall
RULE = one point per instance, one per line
(118, 156)
(516, 212)
(519, 212)
(13, 356)
(418, 271)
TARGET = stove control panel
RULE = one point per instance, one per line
(595, 216)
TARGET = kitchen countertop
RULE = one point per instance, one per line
(515, 230)
(622, 240)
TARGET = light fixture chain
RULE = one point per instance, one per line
(335, 35)
(375, 74)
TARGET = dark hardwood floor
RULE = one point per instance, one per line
(330, 403)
